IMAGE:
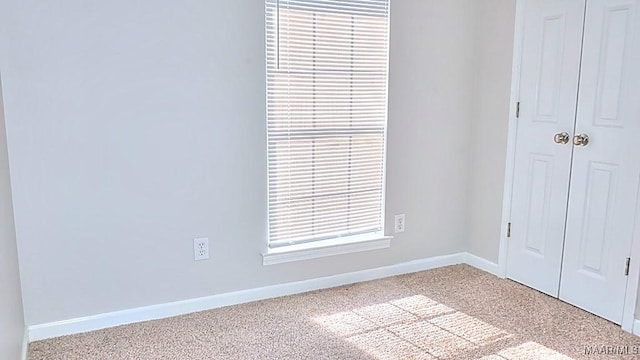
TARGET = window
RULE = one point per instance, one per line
(327, 64)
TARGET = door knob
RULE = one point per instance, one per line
(561, 138)
(581, 140)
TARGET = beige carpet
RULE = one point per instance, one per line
(455, 312)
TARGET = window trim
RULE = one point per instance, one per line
(324, 248)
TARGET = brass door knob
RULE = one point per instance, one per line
(581, 140)
(561, 138)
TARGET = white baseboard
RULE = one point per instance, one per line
(25, 344)
(154, 312)
(636, 327)
(482, 264)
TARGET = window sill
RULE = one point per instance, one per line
(325, 248)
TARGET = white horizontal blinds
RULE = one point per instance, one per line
(327, 109)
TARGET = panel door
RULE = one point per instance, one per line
(606, 171)
(552, 38)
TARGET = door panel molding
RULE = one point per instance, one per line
(550, 64)
(615, 30)
(600, 190)
(536, 228)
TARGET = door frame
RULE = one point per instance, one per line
(631, 294)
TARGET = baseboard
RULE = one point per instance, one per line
(636, 327)
(25, 344)
(482, 264)
(154, 312)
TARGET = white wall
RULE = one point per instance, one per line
(494, 53)
(136, 125)
(431, 64)
(11, 314)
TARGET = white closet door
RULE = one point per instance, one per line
(552, 39)
(606, 171)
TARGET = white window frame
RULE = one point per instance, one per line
(340, 245)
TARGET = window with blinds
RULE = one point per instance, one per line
(327, 64)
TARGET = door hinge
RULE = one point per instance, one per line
(626, 268)
(508, 230)
(518, 109)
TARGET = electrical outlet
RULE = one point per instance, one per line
(200, 249)
(399, 224)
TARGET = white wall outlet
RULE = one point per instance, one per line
(200, 249)
(399, 224)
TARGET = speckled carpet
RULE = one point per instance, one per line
(455, 312)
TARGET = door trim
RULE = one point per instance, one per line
(631, 294)
(511, 137)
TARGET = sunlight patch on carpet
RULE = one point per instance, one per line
(414, 327)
